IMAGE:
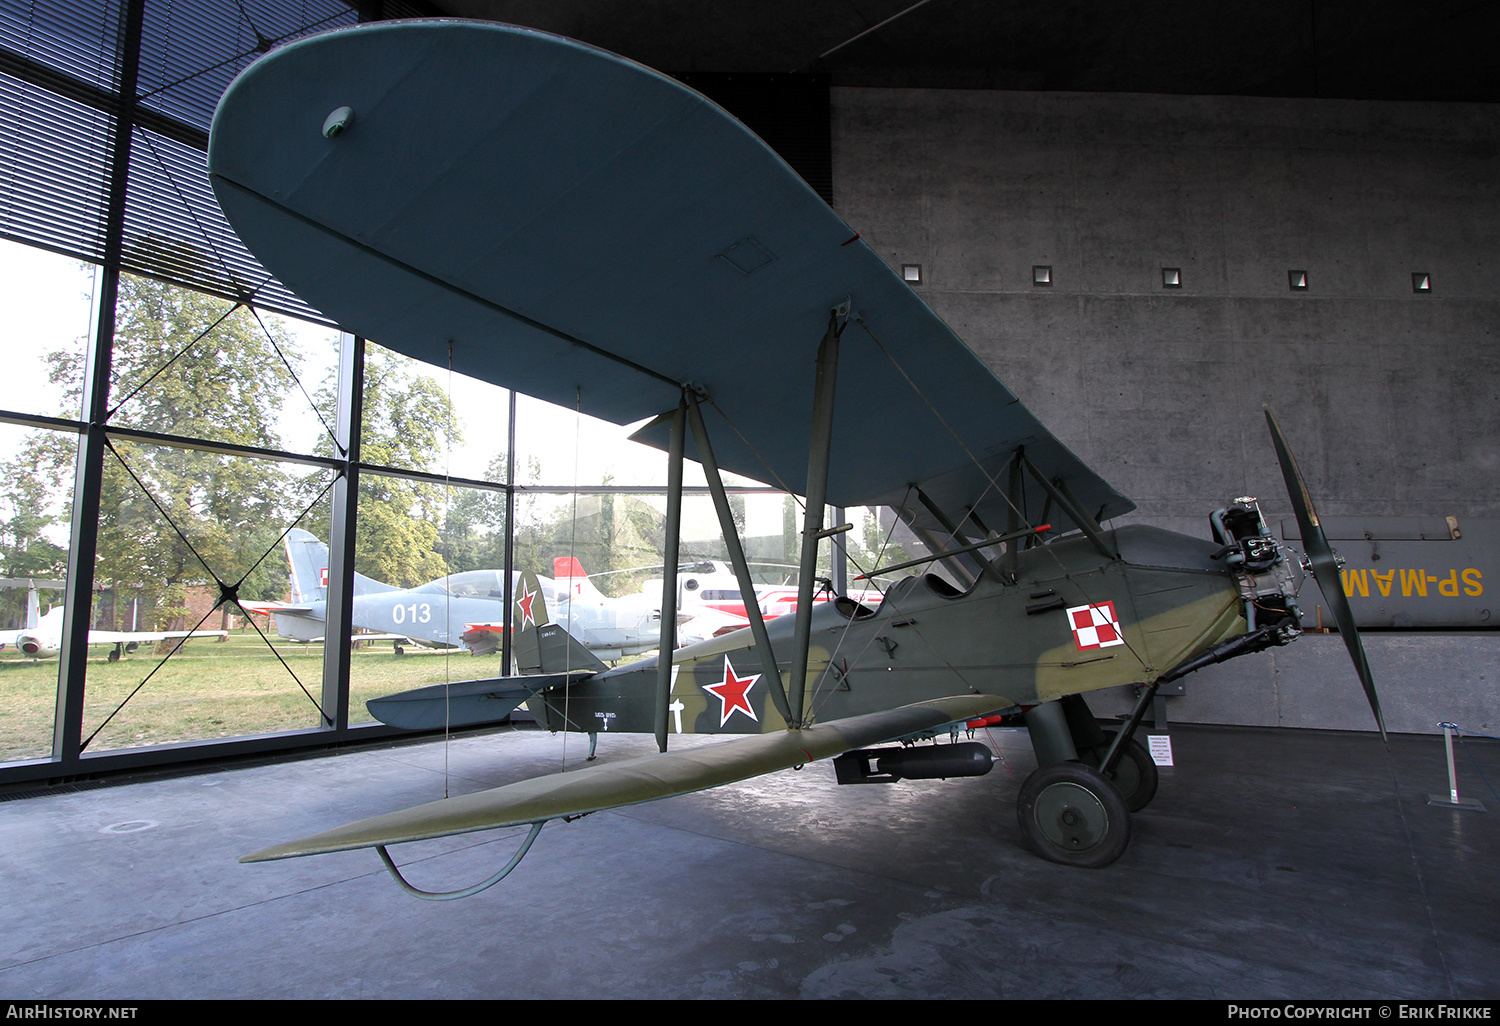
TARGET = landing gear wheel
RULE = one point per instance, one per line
(1135, 775)
(1071, 814)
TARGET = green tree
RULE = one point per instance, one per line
(473, 533)
(185, 364)
(27, 511)
(408, 424)
(606, 533)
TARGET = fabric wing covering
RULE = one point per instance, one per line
(585, 230)
(633, 781)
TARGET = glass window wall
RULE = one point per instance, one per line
(429, 599)
(47, 303)
(34, 511)
(183, 532)
(214, 465)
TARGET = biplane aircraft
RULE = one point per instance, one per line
(583, 229)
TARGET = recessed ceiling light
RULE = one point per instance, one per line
(1171, 277)
(1297, 280)
(1421, 281)
(1041, 274)
(911, 274)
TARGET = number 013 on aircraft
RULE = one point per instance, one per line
(573, 225)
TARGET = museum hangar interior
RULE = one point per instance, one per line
(1149, 221)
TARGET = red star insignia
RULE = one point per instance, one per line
(732, 691)
(528, 618)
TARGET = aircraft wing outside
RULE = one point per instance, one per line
(634, 781)
(125, 637)
(590, 232)
(268, 608)
(46, 637)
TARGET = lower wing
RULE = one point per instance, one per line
(637, 780)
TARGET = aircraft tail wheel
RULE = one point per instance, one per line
(1135, 777)
(1071, 814)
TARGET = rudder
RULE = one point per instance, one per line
(542, 646)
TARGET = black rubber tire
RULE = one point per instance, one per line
(1135, 777)
(1070, 814)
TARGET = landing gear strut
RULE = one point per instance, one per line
(1135, 772)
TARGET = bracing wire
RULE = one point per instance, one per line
(226, 593)
(1020, 512)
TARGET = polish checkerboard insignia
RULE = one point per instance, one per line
(1095, 626)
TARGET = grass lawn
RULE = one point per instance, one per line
(207, 689)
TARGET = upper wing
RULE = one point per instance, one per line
(588, 231)
(636, 780)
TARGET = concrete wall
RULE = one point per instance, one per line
(1390, 399)
(1423, 679)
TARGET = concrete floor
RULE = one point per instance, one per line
(1274, 864)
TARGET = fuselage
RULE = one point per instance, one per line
(1074, 620)
(441, 612)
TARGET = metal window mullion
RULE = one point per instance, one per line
(339, 610)
(81, 91)
(67, 728)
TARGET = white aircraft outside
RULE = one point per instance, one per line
(467, 608)
(42, 635)
(708, 590)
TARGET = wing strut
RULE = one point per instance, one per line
(957, 535)
(1059, 493)
(668, 643)
(1023, 533)
(817, 495)
(737, 559)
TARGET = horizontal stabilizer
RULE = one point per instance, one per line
(297, 627)
(270, 608)
(637, 780)
(465, 703)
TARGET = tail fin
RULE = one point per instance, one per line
(570, 577)
(33, 609)
(309, 561)
(542, 646)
